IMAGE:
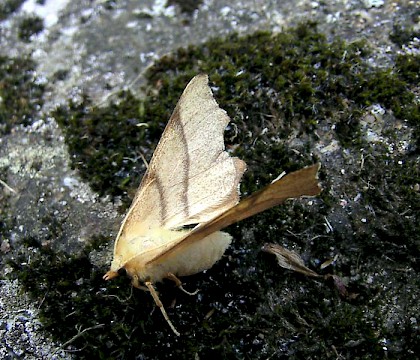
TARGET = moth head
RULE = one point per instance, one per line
(116, 270)
(110, 275)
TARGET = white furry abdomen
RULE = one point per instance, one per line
(199, 256)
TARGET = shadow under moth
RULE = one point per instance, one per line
(192, 180)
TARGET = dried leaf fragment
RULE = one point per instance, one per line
(288, 259)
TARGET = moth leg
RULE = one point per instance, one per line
(178, 283)
(160, 306)
(141, 287)
(136, 283)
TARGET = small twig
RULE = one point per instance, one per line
(144, 160)
(298, 235)
(122, 301)
(8, 187)
(79, 334)
(279, 177)
(72, 313)
(18, 311)
(328, 224)
(43, 299)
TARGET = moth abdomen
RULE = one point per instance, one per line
(196, 257)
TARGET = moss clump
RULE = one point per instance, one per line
(285, 81)
(408, 68)
(20, 92)
(7, 220)
(29, 26)
(107, 144)
(402, 35)
(187, 6)
(391, 192)
(8, 7)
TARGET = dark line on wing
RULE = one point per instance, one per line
(178, 128)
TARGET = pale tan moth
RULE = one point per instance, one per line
(192, 180)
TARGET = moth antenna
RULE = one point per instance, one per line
(160, 306)
(178, 283)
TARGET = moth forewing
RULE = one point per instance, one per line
(190, 178)
(189, 169)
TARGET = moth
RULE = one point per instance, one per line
(190, 192)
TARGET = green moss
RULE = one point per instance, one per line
(107, 144)
(8, 7)
(392, 191)
(187, 7)
(20, 92)
(7, 220)
(29, 26)
(402, 35)
(287, 81)
(409, 68)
